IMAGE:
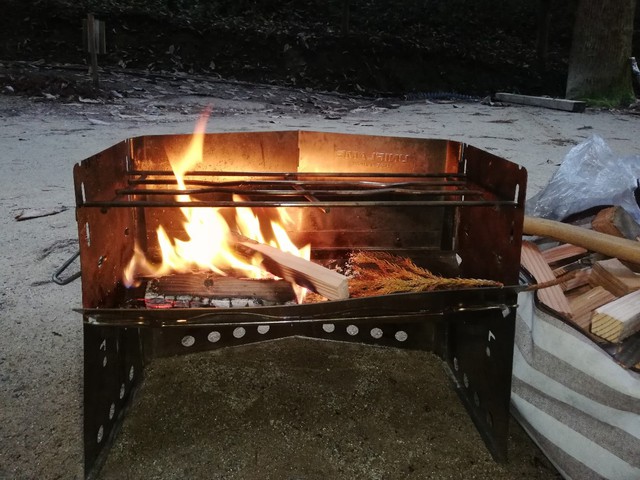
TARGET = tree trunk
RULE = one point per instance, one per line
(599, 68)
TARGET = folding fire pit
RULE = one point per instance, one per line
(450, 207)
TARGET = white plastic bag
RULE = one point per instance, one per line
(590, 175)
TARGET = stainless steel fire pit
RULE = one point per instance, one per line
(450, 207)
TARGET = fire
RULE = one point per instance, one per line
(209, 246)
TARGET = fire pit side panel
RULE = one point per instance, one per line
(489, 239)
(105, 234)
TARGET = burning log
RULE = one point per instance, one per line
(187, 290)
(314, 277)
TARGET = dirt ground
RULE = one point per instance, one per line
(41, 351)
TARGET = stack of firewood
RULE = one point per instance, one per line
(598, 293)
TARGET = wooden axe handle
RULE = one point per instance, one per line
(626, 250)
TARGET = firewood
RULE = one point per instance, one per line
(615, 277)
(584, 304)
(579, 279)
(328, 283)
(187, 290)
(563, 251)
(553, 296)
(619, 319)
(616, 221)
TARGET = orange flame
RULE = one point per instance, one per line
(208, 246)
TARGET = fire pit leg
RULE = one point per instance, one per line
(113, 365)
(479, 358)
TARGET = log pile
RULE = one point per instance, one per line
(602, 298)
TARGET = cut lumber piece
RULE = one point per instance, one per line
(616, 221)
(314, 277)
(584, 304)
(187, 290)
(615, 277)
(546, 102)
(618, 319)
(580, 278)
(628, 250)
(553, 297)
(563, 251)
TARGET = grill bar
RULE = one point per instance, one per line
(289, 175)
(295, 192)
(318, 192)
(321, 204)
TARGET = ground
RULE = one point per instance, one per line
(41, 349)
(261, 66)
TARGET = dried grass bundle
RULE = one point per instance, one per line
(382, 273)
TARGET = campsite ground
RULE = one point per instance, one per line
(200, 416)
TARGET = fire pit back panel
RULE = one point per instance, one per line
(372, 193)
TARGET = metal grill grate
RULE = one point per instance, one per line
(154, 188)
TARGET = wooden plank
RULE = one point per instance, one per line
(584, 304)
(553, 297)
(546, 102)
(563, 251)
(580, 278)
(618, 319)
(314, 277)
(616, 277)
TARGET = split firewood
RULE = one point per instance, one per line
(619, 319)
(579, 279)
(382, 274)
(584, 304)
(616, 221)
(321, 280)
(563, 251)
(188, 290)
(553, 296)
(615, 277)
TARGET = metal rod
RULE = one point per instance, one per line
(311, 198)
(296, 183)
(296, 192)
(324, 204)
(301, 174)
